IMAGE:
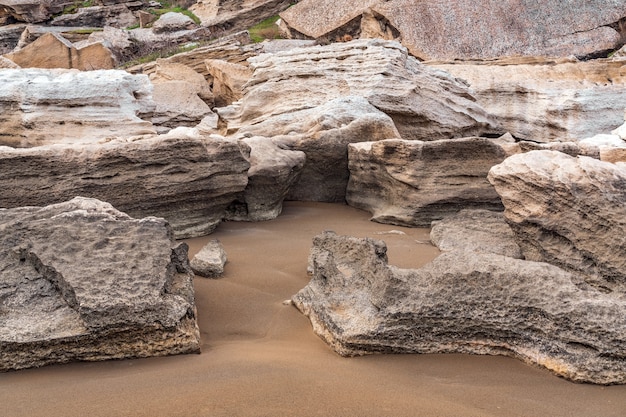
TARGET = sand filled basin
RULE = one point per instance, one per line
(261, 358)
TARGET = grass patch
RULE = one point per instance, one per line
(266, 29)
(85, 31)
(162, 53)
(73, 8)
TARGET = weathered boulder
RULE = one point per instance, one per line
(322, 133)
(548, 100)
(10, 36)
(115, 15)
(210, 261)
(228, 16)
(273, 171)
(183, 97)
(33, 11)
(463, 302)
(481, 231)
(228, 80)
(412, 183)
(54, 51)
(435, 29)
(190, 181)
(567, 211)
(173, 22)
(83, 281)
(380, 71)
(40, 106)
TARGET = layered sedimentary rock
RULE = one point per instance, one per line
(548, 100)
(380, 71)
(272, 173)
(190, 181)
(463, 302)
(83, 281)
(40, 107)
(435, 29)
(567, 211)
(115, 15)
(228, 80)
(32, 11)
(412, 183)
(230, 16)
(10, 36)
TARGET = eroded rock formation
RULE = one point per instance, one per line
(83, 281)
(463, 302)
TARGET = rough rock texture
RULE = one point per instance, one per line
(118, 15)
(39, 107)
(548, 100)
(182, 96)
(54, 51)
(228, 80)
(83, 281)
(412, 183)
(173, 22)
(272, 173)
(7, 63)
(33, 11)
(210, 261)
(481, 231)
(437, 29)
(567, 211)
(380, 71)
(463, 302)
(229, 16)
(10, 36)
(187, 180)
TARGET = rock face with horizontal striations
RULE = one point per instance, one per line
(547, 100)
(32, 11)
(567, 211)
(412, 183)
(464, 302)
(43, 106)
(190, 181)
(83, 281)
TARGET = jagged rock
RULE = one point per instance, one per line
(228, 80)
(39, 106)
(322, 133)
(83, 281)
(210, 261)
(173, 22)
(463, 302)
(188, 180)
(118, 15)
(9, 37)
(481, 231)
(53, 51)
(33, 11)
(182, 96)
(432, 29)
(412, 183)
(272, 173)
(548, 100)
(380, 71)
(567, 211)
(228, 16)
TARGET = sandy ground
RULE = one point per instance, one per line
(260, 357)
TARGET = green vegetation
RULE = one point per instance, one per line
(87, 31)
(162, 53)
(267, 29)
(73, 8)
(167, 7)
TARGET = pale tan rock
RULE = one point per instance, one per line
(43, 106)
(228, 80)
(53, 51)
(7, 63)
(210, 261)
(83, 281)
(32, 11)
(229, 16)
(547, 100)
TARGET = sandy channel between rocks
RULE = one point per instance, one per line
(261, 358)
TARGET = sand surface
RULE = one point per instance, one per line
(260, 357)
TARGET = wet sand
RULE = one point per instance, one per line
(260, 357)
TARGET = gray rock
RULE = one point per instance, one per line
(481, 231)
(463, 302)
(412, 183)
(272, 173)
(10, 36)
(118, 15)
(567, 211)
(210, 261)
(173, 22)
(32, 11)
(190, 181)
(83, 281)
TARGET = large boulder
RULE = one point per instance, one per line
(41, 106)
(424, 103)
(547, 100)
(567, 211)
(83, 281)
(115, 15)
(33, 11)
(188, 180)
(436, 29)
(227, 16)
(412, 183)
(463, 302)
